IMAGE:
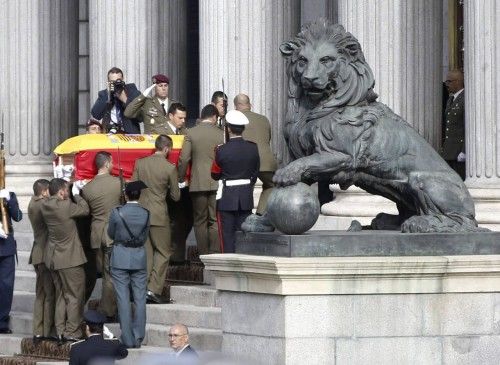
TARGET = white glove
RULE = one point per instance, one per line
(2, 232)
(80, 183)
(182, 185)
(76, 189)
(461, 157)
(107, 333)
(4, 193)
(148, 90)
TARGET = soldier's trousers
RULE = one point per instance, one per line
(158, 250)
(7, 270)
(231, 222)
(70, 292)
(205, 222)
(107, 304)
(181, 223)
(267, 187)
(44, 308)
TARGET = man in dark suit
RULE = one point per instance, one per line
(43, 309)
(161, 178)
(128, 228)
(199, 149)
(7, 259)
(65, 256)
(236, 164)
(95, 349)
(453, 149)
(219, 100)
(153, 111)
(112, 102)
(178, 338)
(102, 194)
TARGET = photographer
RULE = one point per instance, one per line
(111, 103)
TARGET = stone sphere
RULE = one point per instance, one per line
(293, 209)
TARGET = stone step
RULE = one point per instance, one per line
(190, 315)
(23, 301)
(140, 356)
(21, 323)
(24, 257)
(199, 295)
(24, 241)
(10, 344)
(24, 226)
(25, 281)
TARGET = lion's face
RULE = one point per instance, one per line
(316, 68)
(326, 65)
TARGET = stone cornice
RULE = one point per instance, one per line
(354, 275)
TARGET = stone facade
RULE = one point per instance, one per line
(353, 310)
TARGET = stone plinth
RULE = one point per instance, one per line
(367, 243)
(359, 310)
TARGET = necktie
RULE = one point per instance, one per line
(177, 131)
(164, 110)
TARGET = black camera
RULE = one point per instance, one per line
(117, 86)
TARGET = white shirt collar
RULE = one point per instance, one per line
(163, 102)
(172, 126)
(457, 93)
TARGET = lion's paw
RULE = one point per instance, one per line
(288, 175)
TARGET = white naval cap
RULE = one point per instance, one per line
(235, 117)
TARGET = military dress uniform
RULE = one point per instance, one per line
(43, 309)
(96, 349)
(152, 112)
(129, 267)
(7, 263)
(258, 131)
(161, 177)
(236, 164)
(199, 149)
(102, 194)
(65, 258)
(454, 136)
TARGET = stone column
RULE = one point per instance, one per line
(239, 42)
(402, 42)
(482, 112)
(142, 38)
(39, 94)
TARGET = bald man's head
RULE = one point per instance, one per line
(178, 336)
(242, 102)
(454, 81)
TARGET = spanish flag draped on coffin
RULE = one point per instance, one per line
(76, 154)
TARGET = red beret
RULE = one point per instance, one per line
(159, 79)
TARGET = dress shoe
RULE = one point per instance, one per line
(60, 340)
(153, 298)
(6, 331)
(37, 339)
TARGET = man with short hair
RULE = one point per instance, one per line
(161, 178)
(43, 309)
(65, 257)
(96, 349)
(178, 339)
(128, 228)
(219, 100)
(453, 149)
(103, 194)
(199, 149)
(236, 164)
(258, 131)
(94, 126)
(7, 257)
(112, 102)
(153, 111)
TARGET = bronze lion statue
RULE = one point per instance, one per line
(337, 131)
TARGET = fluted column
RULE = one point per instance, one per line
(39, 75)
(482, 108)
(239, 42)
(143, 38)
(402, 42)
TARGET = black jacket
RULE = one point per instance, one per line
(102, 109)
(96, 348)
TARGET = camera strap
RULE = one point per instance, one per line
(132, 237)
